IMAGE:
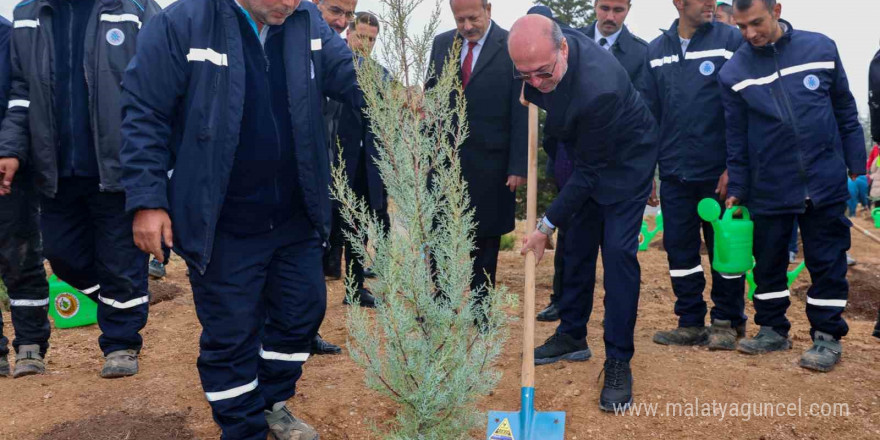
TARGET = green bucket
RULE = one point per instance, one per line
(70, 307)
(733, 237)
(647, 235)
(876, 214)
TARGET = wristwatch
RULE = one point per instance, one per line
(545, 228)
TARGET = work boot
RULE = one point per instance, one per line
(549, 314)
(722, 336)
(792, 257)
(850, 261)
(121, 363)
(369, 274)
(684, 336)
(156, 269)
(765, 341)
(823, 355)
(320, 346)
(284, 426)
(4, 366)
(333, 263)
(561, 346)
(28, 361)
(363, 297)
(617, 392)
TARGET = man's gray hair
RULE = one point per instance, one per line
(485, 3)
(556, 36)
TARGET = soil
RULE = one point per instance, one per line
(165, 400)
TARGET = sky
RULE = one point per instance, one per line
(853, 24)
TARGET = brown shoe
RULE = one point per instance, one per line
(722, 336)
(683, 336)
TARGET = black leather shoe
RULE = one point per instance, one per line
(368, 273)
(320, 346)
(364, 298)
(877, 326)
(560, 347)
(617, 392)
(550, 314)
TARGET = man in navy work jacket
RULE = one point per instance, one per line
(793, 139)
(229, 95)
(629, 50)
(593, 107)
(63, 124)
(21, 260)
(681, 89)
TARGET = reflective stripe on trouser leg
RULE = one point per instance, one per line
(296, 300)
(772, 297)
(682, 241)
(826, 234)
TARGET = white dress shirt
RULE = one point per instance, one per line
(609, 40)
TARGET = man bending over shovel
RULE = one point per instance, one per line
(591, 106)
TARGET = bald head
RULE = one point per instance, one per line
(538, 49)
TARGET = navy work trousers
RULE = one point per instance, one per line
(88, 240)
(260, 303)
(826, 236)
(681, 238)
(21, 266)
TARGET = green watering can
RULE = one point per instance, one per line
(647, 235)
(733, 238)
(70, 307)
(876, 214)
(792, 276)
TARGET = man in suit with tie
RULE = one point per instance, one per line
(609, 32)
(493, 158)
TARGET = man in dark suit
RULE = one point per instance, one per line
(493, 158)
(593, 107)
(629, 50)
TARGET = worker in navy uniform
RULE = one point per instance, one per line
(229, 94)
(793, 140)
(680, 87)
(594, 108)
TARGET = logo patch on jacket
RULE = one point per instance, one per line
(115, 37)
(707, 68)
(812, 82)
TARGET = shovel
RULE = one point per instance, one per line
(528, 424)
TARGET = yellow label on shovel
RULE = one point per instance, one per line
(502, 432)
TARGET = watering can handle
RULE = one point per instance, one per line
(728, 214)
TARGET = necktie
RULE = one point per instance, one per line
(467, 66)
(603, 42)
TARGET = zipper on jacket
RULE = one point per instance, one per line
(794, 127)
(275, 125)
(70, 85)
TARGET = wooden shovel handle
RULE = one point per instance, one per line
(528, 357)
(863, 231)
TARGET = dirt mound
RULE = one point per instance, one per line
(864, 291)
(161, 291)
(123, 426)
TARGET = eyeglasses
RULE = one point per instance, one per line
(339, 12)
(517, 75)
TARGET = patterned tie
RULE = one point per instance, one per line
(467, 66)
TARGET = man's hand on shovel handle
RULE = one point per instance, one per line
(535, 242)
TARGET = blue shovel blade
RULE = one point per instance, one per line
(526, 424)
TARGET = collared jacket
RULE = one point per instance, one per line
(629, 50)
(29, 131)
(606, 127)
(182, 104)
(793, 131)
(681, 89)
